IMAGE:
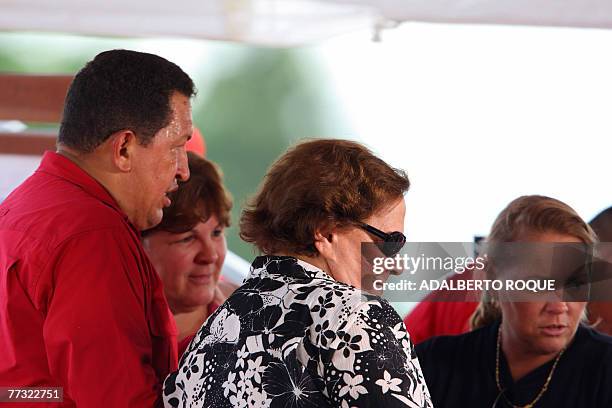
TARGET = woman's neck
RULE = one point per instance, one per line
(521, 361)
(190, 321)
(314, 261)
(338, 273)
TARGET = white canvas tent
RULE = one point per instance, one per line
(283, 22)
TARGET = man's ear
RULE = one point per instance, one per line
(324, 242)
(122, 146)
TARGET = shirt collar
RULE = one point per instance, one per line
(61, 166)
(272, 266)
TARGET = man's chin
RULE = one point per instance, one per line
(151, 222)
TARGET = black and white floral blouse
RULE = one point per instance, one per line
(291, 336)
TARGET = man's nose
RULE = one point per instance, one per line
(182, 168)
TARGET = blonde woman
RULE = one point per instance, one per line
(528, 353)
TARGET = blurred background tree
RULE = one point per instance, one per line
(252, 113)
(252, 103)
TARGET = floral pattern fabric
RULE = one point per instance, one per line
(291, 336)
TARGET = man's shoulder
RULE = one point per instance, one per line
(53, 208)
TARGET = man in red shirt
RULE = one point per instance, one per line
(599, 310)
(81, 307)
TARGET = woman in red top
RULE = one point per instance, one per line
(188, 248)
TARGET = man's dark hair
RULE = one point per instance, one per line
(117, 90)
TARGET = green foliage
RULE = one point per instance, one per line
(253, 103)
(253, 112)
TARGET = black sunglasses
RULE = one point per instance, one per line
(392, 243)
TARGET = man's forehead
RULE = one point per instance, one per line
(180, 101)
(181, 117)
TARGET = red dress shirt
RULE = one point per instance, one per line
(443, 313)
(429, 319)
(81, 306)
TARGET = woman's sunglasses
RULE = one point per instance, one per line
(391, 243)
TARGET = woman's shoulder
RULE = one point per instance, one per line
(342, 303)
(595, 335)
(332, 305)
(343, 309)
(590, 357)
(591, 341)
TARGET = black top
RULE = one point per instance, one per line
(460, 372)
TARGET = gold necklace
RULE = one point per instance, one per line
(544, 387)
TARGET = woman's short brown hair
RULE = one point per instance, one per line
(196, 200)
(318, 184)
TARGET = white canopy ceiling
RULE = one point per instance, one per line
(282, 22)
(261, 22)
(565, 13)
